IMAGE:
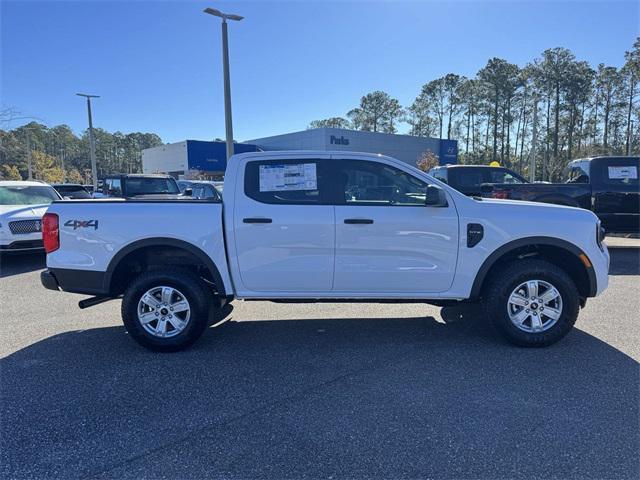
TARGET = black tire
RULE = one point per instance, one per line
(507, 278)
(192, 288)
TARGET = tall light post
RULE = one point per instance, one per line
(225, 66)
(92, 145)
(534, 141)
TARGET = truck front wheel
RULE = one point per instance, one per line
(532, 302)
(166, 309)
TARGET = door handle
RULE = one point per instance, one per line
(257, 220)
(358, 221)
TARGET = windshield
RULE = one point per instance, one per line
(146, 186)
(27, 195)
(73, 191)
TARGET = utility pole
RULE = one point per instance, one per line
(534, 139)
(92, 145)
(227, 82)
(64, 174)
(29, 167)
(629, 137)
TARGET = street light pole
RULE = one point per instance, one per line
(227, 82)
(534, 141)
(92, 145)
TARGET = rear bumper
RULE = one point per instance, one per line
(86, 282)
(49, 281)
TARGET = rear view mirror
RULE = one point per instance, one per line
(435, 197)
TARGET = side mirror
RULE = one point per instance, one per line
(188, 192)
(435, 197)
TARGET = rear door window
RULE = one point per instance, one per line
(287, 182)
(468, 177)
(625, 174)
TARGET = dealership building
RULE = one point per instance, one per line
(191, 158)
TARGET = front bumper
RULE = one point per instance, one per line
(22, 246)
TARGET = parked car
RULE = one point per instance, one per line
(199, 189)
(326, 226)
(606, 185)
(22, 205)
(134, 184)
(72, 190)
(469, 179)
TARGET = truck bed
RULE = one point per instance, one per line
(94, 232)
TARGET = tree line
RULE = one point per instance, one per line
(578, 111)
(57, 154)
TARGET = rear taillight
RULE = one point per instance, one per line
(600, 235)
(500, 194)
(50, 232)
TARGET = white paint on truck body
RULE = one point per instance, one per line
(408, 252)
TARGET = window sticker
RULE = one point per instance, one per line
(623, 172)
(278, 178)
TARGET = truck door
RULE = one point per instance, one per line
(387, 240)
(285, 226)
(616, 193)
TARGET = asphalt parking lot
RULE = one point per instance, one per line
(308, 391)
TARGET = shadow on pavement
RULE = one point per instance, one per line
(624, 261)
(386, 398)
(17, 263)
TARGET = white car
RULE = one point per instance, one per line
(326, 226)
(22, 205)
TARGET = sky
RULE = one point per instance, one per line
(158, 65)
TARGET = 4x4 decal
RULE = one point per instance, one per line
(81, 224)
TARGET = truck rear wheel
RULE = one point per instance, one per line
(166, 309)
(532, 303)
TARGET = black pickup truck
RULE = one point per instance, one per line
(134, 185)
(469, 179)
(608, 186)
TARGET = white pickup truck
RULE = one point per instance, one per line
(326, 226)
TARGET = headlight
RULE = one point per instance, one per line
(600, 234)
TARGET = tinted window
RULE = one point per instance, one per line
(620, 173)
(578, 175)
(468, 177)
(73, 191)
(503, 176)
(291, 182)
(440, 174)
(182, 185)
(371, 183)
(149, 185)
(114, 186)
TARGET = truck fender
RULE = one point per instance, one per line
(571, 249)
(165, 242)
